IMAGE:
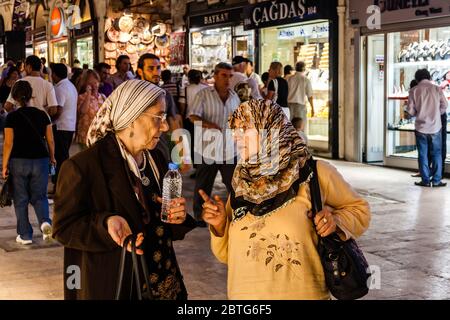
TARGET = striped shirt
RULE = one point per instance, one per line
(208, 106)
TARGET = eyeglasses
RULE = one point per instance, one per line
(162, 117)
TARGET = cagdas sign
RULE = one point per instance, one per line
(272, 13)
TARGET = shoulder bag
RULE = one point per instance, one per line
(344, 265)
(6, 193)
(142, 294)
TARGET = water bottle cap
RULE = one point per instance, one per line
(173, 166)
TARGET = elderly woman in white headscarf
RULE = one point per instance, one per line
(112, 190)
(265, 233)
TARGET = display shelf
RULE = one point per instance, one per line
(409, 130)
(406, 98)
(438, 63)
(400, 129)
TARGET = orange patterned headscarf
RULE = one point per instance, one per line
(282, 152)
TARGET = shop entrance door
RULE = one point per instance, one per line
(375, 105)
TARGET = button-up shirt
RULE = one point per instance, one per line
(209, 106)
(427, 102)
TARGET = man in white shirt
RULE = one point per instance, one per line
(239, 76)
(251, 74)
(211, 109)
(43, 93)
(64, 116)
(300, 89)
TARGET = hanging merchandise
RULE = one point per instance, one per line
(162, 42)
(125, 23)
(159, 29)
(135, 35)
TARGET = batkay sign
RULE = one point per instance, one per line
(276, 12)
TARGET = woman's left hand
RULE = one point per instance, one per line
(325, 223)
(5, 172)
(177, 210)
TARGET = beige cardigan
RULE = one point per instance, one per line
(275, 256)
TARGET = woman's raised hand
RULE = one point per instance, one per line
(214, 212)
(119, 229)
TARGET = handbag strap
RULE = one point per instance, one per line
(122, 265)
(135, 273)
(316, 198)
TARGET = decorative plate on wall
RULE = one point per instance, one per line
(162, 42)
(126, 23)
(124, 37)
(113, 34)
(158, 29)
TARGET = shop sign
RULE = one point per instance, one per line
(364, 13)
(222, 17)
(57, 22)
(272, 13)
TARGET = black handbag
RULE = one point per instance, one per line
(6, 193)
(345, 267)
(142, 293)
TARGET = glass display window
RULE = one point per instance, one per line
(41, 50)
(60, 50)
(209, 47)
(408, 52)
(84, 51)
(307, 42)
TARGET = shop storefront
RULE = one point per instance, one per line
(292, 31)
(59, 43)
(412, 36)
(84, 33)
(217, 36)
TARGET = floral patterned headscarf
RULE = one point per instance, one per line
(282, 153)
(122, 108)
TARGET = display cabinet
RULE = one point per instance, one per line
(408, 52)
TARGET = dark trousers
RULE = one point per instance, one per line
(63, 140)
(204, 179)
(30, 180)
(444, 141)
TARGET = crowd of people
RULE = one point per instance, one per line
(121, 124)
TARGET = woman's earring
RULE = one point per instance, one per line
(131, 134)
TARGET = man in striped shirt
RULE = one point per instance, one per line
(210, 111)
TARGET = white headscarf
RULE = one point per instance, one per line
(122, 107)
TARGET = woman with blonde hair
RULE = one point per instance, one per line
(89, 102)
(265, 233)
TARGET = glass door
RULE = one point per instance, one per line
(375, 98)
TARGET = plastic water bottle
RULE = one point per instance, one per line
(172, 186)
